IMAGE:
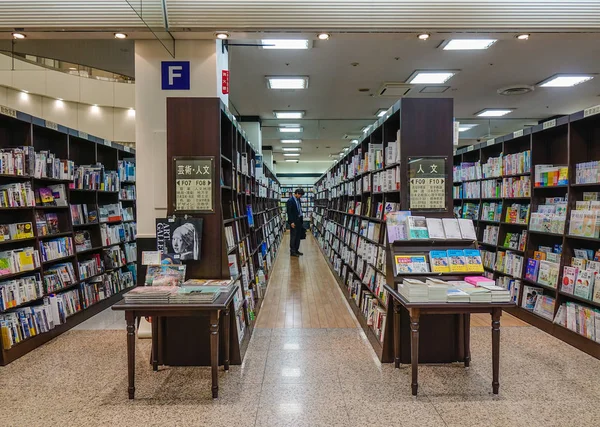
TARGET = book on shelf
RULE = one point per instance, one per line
(457, 261)
(56, 248)
(18, 260)
(17, 231)
(467, 229)
(413, 263)
(548, 273)
(416, 227)
(20, 291)
(83, 240)
(59, 276)
(584, 284)
(530, 296)
(439, 261)
(451, 228)
(16, 195)
(435, 228)
(544, 307)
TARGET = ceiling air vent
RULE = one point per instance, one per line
(393, 90)
(515, 90)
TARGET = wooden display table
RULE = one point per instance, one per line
(220, 308)
(416, 310)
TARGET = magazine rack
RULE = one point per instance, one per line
(442, 336)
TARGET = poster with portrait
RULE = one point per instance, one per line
(179, 237)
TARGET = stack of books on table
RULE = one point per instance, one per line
(150, 295)
(475, 289)
(195, 295)
(414, 290)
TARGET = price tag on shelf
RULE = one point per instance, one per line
(549, 124)
(82, 135)
(51, 125)
(107, 143)
(591, 111)
(490, 142)
(8, 111)
(127, 149)
(518, 133)
(470, 148)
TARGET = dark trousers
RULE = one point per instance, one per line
(295, 239)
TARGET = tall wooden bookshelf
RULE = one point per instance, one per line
(423, 127)
(18, 129)
(568, 140)
(204, 127)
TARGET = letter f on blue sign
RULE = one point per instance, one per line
(175, 75)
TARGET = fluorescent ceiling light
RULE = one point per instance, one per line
(288, 114)
(290, 129)
(430, 77)
(381, 112)
(291, 160)
(354, 141)
(291, 155)
(291, 149)
(494, 112)
(464, 128)
(291, 141)
(468, 44)
(292, 82)
(284, 44)
(366, 129)
(565, 80)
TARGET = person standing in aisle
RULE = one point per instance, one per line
(295, 220)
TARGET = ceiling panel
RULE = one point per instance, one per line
(376, 15)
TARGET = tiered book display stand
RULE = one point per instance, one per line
(89, 294)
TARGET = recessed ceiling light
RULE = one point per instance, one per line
(494, 112)
(290, 128)
(291, 155)
(381, 112)
(18, 36)
(289, 114)
(300, 82)
(24, 95)
(423, 36)
(468, 44)
(324, 36)
(291, 141)
(291, 160)
(284, 44)
(120, 36)
(430, 77)
(465, 127)
(354, 141)
(292, 149)
(523, 37)
(72, 68)
(222, 35)
(565, 80)
(346, 149)
(131, 112)
(366, 129)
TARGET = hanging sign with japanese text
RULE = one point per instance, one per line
(194, 184)
(427, 183)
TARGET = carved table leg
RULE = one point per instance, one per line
(154, 324)
(130, 319)
(496, 313)
(467, 338)
(414, 349)
(214, 351)
(397, 308)
(227, 323)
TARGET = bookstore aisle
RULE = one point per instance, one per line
(315, 376)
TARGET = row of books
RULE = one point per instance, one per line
(23, 323)
(490, 234)
(20, 291)
(105, 286)
(550, 216)
(551, 175)
(52, 195)
(585, 219)
(95, 177)
(17, 195)
(127, 192)
(494, 167)
(441, 261)
(516, 187)
(518, 163)
(473, 289)
(510, 263)
(387, 180)
(91, 267)
(517, 213)
(469, 211)
(466, 171)
(25, 161)
(56, 248)
(401, 225)
(17, 231)
(515, 240)
(19, 260)
(491, 211)
(126, 170)
(587, 172)
(579, 318)
(84, 214)
(536, 301)
(467, 190)
(59, 276)
(581, 277)
(491, 188)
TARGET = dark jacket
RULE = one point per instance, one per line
(292, 212)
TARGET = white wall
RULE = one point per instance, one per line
(151, 117)
(297, 181)
(115, 124)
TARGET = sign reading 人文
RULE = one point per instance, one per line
(194, 184)
(427, 183)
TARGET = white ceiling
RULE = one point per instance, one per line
(334, 106)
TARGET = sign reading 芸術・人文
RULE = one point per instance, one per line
(427, 183)
(175, 75)
(194, 184)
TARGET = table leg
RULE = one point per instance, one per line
(397, 309)
(227, 322)
(130, 319)
(496, 313)
(467, 338)
(154, 324)
(214, 351)
(414, 349)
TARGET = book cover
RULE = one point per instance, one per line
(568, 280)
(414, 263)
(439, 261)
(539, 255)
(458, 262)
(467, 229)
(580, 263)
(531, 271)
(46, 197)
(583, 284)
(473, 260)
(544, 273)
(435, 228)
(396, 225)
(22, 230)
(417, 227)
(451, 228)
(52, 223)
(530, 296)
(596, 294)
